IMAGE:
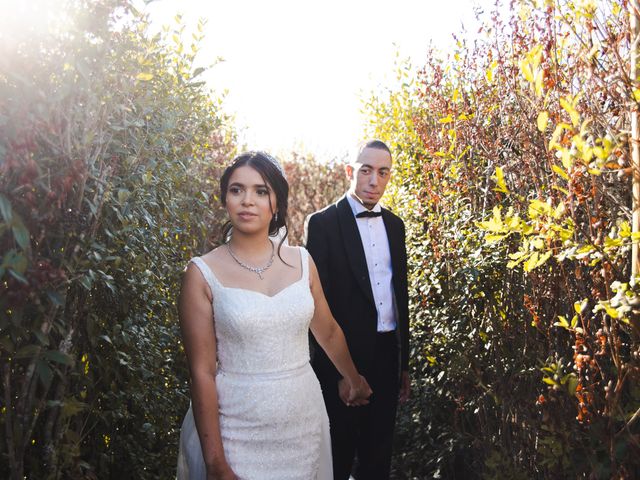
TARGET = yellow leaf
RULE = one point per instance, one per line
(557, 133)
(447, 119)
(624, 230)
(144, 76)
(489, 73)
(492, 238)
(543, 120)
(580, 306)
(613, 242)
(499, 178)
(559, 211)
(530, 264)
(537, 208)
(542, 259)
(525, 68)
(560, 189)
(562, 322)
(612, 312)
(495, 224)
(538, 82)
(573, 114)
(560, 171)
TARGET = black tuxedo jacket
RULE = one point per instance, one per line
(333, 240)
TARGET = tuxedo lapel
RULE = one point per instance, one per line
(353, 246)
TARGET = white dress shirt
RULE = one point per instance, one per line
(376, 250)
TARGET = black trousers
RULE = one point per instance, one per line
(361, 437)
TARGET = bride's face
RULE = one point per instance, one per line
(250, 200)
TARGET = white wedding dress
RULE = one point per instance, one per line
(273, 420)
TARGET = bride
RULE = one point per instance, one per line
(257, 411)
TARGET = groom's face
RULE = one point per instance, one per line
(369, 175)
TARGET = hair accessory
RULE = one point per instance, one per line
(272, 159)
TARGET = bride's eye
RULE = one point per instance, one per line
(263, 191)
(234, 190)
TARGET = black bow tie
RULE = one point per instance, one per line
(368, 213)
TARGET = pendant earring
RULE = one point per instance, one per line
(275, 218)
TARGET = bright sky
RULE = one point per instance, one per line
(296, 70)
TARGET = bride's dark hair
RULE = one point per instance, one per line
(273, 175)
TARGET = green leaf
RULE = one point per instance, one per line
(86, 282)
(55, 298)
(18, 276)
(20, 232)
(27, 351)
(58, 357)
(42, 338)
(5, 209)
(572, 384)
(45, 374)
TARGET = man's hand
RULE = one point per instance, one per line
(356, 394)
(405, 387)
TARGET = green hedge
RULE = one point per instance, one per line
(512, 173)
(109, 145)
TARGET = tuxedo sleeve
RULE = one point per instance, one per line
(315, 241)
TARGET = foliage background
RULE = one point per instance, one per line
(512, 172)
(108, 143)
(513, 176)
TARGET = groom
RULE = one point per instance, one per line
(359, 250)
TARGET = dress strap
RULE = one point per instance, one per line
(208, 275)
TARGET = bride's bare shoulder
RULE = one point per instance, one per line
(215, 257)
(290, 254)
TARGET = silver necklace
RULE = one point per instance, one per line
(258, 270)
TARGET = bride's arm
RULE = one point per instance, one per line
(330, 337)
(198, 336)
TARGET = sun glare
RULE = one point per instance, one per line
(23, 21)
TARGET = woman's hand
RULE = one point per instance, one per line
(355, 393)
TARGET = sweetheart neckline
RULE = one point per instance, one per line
(261, 293)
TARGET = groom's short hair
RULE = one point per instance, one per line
(377, 144)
